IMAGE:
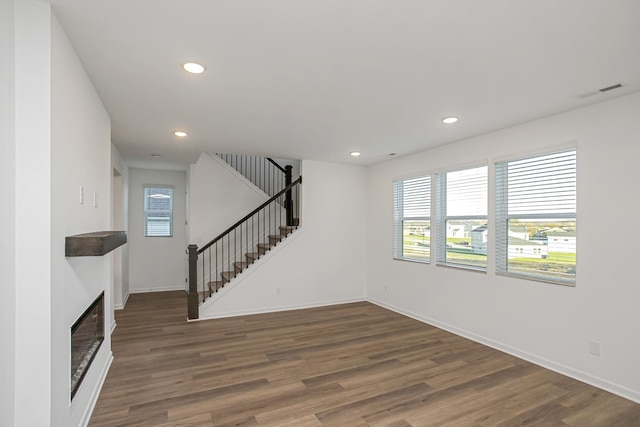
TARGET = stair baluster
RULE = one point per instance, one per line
(229, 254)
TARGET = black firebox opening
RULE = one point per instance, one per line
(87, 335)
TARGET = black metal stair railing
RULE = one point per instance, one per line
(264, 172)
(213, 265)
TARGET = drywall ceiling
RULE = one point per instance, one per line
(317, 79)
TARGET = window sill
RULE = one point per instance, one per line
(463, 267)
(419, 261)
(536, 279)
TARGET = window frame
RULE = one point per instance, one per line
(399, 218)
(442, 218)
(146, 212)
(503, 216)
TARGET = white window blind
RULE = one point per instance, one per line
(412, 219)
(536, 217)
(158, 211)
(461, 218)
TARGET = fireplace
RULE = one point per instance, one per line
(87, 334)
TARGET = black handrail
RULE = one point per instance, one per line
(274, 163)
(249, 215)
(226, 256)
(263, 172)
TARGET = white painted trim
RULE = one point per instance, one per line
(86, 417)
(150, 290)
(584, 377)
(124, 302)
(280, 308)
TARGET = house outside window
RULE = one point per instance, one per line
(461, 218)
(158, 211)
(412, 219)
(536, 217)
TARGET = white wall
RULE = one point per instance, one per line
(322, 263)
(156, 263)
(58, 139)
(32, 109)
(80, 156)
(7, 214)
(548, 324)
(120, 198)
(219, 196)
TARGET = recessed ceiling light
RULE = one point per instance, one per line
(193, 68)
(156, 155)
(355, 153)
(449, 120)
(180, 133)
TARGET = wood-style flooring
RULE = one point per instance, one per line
(346, 365)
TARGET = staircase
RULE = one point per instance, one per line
(250, 258)
(220, 261)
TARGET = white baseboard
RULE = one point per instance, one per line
(124, 302)
(278, 308)
(584, 377)
(86, 417)
(162, 289)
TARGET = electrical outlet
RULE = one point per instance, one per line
(594, 348)
(385, 288)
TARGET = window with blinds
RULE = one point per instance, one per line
(158, 211)
(536, 217)
(461, 218)
(412, 219)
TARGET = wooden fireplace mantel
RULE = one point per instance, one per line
(97, 243)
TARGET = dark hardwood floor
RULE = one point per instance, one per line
(346, 365)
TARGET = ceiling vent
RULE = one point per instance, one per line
(599, 91)
(607, 89)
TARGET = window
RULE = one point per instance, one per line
(158, 211)
(536, 217)
(461, 218)
(412, 219)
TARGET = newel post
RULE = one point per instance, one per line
(192, 296)
(288, 200)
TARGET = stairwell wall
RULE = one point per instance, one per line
(218, 198)
(321, 263)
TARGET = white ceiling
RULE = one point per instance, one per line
(316, 79)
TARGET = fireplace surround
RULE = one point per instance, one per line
(87, 335)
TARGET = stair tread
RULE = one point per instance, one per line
(216, 285)
(287, 229)
(241, 265)
(274, 238)
(227, 275)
